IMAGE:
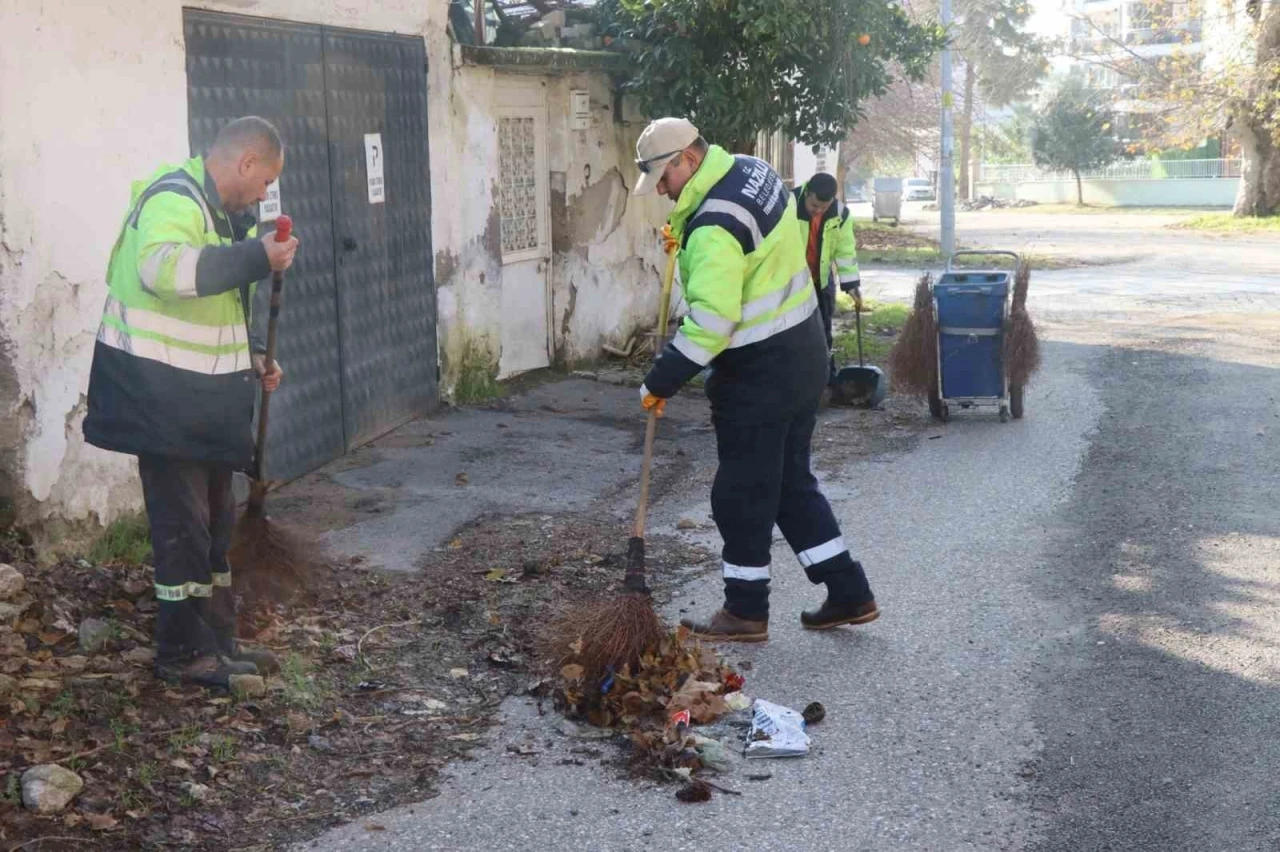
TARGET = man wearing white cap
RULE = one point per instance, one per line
(754, 321)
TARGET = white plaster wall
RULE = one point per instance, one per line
(807, 162)
(464, 169)
(608, 259)
(93, 97)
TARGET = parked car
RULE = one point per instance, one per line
(918, 189)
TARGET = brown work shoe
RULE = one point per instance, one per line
(835, 613)
(207, 670)
(727, 627)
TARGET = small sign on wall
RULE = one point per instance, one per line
(269, 208)
(373, 157)
(579, 109)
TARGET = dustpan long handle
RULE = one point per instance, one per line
(651, 428)
(857, 312)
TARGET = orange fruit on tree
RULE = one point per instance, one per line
(864, 39)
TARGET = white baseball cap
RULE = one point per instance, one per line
(660, 143)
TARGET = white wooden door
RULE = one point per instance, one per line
(526, 232)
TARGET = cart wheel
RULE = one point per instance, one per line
(1004, 414)
(1015, 401)
(935, 405)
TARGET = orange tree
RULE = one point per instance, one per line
(740, 67)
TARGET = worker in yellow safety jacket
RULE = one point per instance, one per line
(754, 321)
(826, 226)
(173, 381)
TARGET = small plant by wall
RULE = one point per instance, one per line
(477, 375)
(127, 540)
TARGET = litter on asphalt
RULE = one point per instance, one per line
(776, 731)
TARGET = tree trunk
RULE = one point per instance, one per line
(1259, 193)
(966, 129)
(1079, 187)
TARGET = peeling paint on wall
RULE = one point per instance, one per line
(61, 62)
(566, 328)
(598, 210)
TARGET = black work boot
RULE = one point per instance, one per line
(266, 662)
(849, 600)
(222, 618)
(209, 670)
(727, 627)
(834, 613)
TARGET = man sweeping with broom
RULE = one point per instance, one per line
(171, 381)
(754, 320)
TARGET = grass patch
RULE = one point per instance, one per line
(12, 791)
(224, 750)
(127, 540)
(931, 256)
(1227, 223)
(868, 226)
(146, 774)
(1096, 209)
(186, 738)
(477, 377)
(879, 243)
(300, 687)
(881, 323)
(63, 704)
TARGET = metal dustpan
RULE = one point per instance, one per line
(859, 386)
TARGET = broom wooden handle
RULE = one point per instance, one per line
(651, 428)
(284, 227)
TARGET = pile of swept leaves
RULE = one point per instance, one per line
(679, 684)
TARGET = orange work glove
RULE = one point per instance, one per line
(652, 403)
(669, 243)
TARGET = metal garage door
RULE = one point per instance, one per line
(358, 325)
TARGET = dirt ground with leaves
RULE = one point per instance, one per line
(386, 678)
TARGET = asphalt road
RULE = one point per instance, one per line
(1080, 647)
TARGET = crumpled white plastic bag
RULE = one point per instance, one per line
(776, 731)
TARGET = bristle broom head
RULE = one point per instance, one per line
(1021, 346)
(913, 361)
(603, 636)
(269, 563)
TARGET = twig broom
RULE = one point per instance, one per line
(606, 636)
(270, 562)
(913, 361)
(1021, 346)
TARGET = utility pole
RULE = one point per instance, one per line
(946, 172)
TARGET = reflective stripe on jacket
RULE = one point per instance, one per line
(172, 371)
(753, 315)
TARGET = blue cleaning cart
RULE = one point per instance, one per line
(971, 311)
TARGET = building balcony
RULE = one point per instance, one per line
(1141, 36)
